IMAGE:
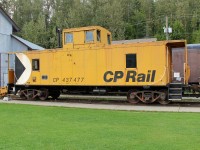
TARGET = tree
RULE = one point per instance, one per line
(80, 14)
(112, 19)
(178, 31)
(196, 36)
(26, 11)
(35, 31)
(126, 19)
(133, 18)
(148, 8)
(8, 6)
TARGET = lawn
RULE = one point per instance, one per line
(27, 127)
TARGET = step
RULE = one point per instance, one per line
(175, 88)
(176, 83)
(175, 94)
(174, 99)
(175, 91)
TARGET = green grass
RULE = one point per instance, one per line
(24, 127)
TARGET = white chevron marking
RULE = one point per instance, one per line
(27, 72)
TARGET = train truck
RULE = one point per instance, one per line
(89, 63)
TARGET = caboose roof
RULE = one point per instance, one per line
(170, 43)
(85, 29)
(176, 43)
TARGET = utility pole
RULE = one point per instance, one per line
(167, 29)
(167, 34)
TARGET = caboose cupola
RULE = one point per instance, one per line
(86, 37)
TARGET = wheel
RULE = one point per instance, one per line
(43, 94)
(131, 97)
(31, 94)
(22, 94)
(163, 98)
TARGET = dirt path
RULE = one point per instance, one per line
(108, 107)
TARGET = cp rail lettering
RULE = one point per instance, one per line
(132, 76)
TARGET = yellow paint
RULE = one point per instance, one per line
(3, 91)
(11, 76)
(81, 63)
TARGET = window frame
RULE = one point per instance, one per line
(72, 39)
(109, 39)
(98, 35)
(132, 64)
(89, 41)
(34, 65)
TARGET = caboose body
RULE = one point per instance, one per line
(88, 62)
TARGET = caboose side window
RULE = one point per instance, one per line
(108, 38)
(35, 64)
(68, 38)
(131, 61)
(89, 36)
(98, 35)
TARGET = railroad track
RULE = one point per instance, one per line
(109, 101)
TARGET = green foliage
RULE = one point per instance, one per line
(114, 19)
(7, 5)
(178, 31)
(50, 128)
(126, 19)
(160, 36)
(26, 11)
(196, 36)
(35, 31)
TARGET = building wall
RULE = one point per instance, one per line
(6, 26)
(5, 32)
(7, 44)
(16, 46)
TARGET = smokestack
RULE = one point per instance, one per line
(58, 31)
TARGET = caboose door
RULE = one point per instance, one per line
(177, 60)
(178, 72)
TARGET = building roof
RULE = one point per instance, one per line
(15, 27)
(193, 46)
(30, 45)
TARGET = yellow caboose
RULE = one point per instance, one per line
(89, 62)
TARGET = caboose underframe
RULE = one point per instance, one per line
(136, 94)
